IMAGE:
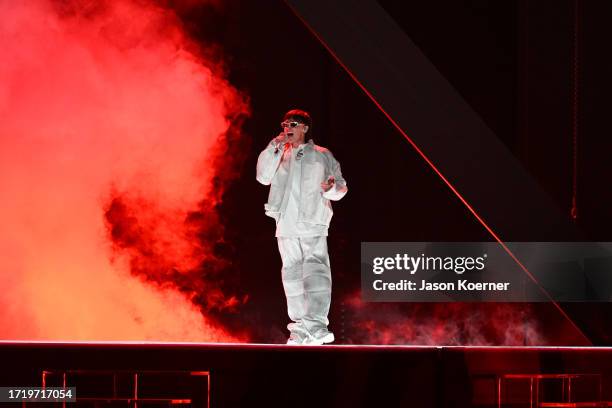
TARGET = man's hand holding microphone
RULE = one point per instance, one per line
(280, 141)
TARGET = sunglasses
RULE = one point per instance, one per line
(289, 124)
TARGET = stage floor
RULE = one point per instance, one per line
(237, 375)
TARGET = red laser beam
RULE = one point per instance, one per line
(436, 170)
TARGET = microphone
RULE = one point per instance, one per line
(280, 144)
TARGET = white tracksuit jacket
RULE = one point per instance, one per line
(318, 164)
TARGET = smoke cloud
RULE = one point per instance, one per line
(443, 324)
(113, 130)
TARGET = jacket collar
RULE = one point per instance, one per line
(309, 146)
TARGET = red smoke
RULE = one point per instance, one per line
(445, 324)
(113, 128)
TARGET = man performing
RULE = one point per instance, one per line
(303, 178)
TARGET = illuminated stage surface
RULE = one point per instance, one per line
(234, 375)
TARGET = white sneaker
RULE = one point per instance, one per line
(294, 340)
(319, 338)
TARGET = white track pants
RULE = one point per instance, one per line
(307, 282)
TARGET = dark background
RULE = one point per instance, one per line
(512, 61)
